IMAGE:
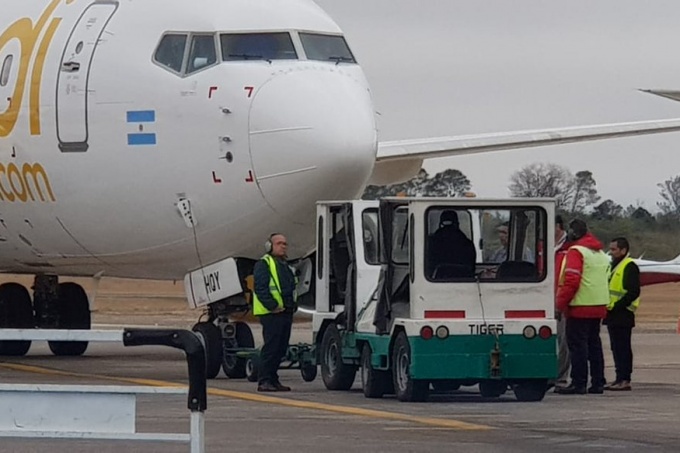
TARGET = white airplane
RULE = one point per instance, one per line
(656, 272)
(165, 139)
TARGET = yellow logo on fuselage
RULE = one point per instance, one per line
(27, 34)
(29, 183)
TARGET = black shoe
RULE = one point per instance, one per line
(281, 388)
(570, 390)
(621, 386)
(596, 389)
(267, 387)
(613, 384)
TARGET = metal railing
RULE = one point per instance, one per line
(95, 412)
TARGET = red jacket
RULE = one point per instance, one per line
(572, 280)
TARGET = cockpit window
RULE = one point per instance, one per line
(326, 48)
(202, 54)
(257, 46)
(170, 51)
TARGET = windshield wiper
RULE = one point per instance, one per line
(247, 56)
(338, 60)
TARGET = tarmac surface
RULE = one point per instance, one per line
(311, 418)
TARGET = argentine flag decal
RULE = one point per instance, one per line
(141, 119)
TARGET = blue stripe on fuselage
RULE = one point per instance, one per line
(141, 139)
(141, 116)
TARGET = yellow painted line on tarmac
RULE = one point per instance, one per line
(53, 372)
(259, 398)
(350, 410)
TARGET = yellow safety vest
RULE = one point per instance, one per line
(593, 290)
(274, 288)
(616, 289)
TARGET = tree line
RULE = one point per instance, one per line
(653, 235)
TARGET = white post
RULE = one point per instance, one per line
(197, 432)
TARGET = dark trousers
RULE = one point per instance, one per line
(619, 339)
(563, 360)
(276, 333)
(583, 338)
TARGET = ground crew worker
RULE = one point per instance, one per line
(563, 360)
(274, 302)
(582, 296)
(624, 298)
(500, 255)
(449, 246)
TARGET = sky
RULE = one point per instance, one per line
(449, 67)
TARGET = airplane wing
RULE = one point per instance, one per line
(402, 159)
(428, 148)
(673, 95)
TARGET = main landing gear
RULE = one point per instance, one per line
(55, 306)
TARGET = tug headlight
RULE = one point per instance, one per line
(442, 332)
(529, 332)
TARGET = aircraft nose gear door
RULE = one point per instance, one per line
(74, 73)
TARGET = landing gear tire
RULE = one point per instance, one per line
(73, 309)
(336, 374)
(492, 389)
(375, 382)
(233, 366)
(406, 388)
(253, 368)
(16, 312)
(212, 343)
(531, 389)
(308, 371)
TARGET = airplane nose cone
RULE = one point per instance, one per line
(312, 137)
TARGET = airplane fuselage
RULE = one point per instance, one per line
(112, 161)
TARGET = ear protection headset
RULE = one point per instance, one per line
(268, 245)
